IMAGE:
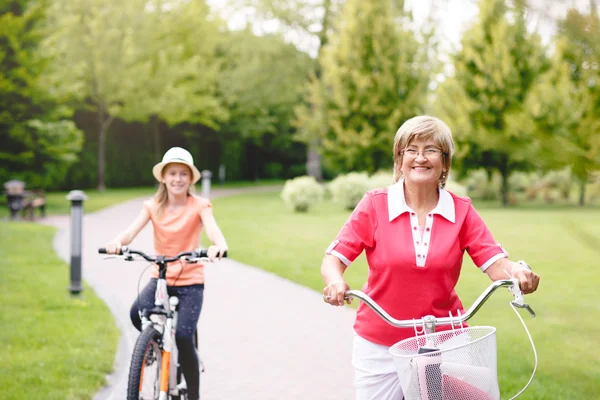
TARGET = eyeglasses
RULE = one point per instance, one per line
(429, 154)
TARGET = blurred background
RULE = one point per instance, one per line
(92, 92)
(310, 92)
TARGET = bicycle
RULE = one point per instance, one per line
(154, 372)
(456, 364)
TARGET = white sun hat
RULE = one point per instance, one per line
(176, 155)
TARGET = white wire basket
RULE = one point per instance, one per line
(464, 367)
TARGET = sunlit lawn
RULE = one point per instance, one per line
(53, 346)
(57, 203)
(562, 244)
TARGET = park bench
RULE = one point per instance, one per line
(24, 201)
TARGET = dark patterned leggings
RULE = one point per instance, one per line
(190, 304)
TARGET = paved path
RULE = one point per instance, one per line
(261, 336)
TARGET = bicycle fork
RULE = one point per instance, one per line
(167, 351)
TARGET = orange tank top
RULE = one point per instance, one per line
(176, 232)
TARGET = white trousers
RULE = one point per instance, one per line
(375, 375)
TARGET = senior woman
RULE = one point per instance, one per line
(414, 234)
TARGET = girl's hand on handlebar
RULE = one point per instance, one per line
(334, 293)
(216, 251)
(113, 247)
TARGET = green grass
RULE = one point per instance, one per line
(562, 245)
(243, 184)
(53, 346)
(57, 203)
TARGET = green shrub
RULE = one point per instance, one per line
(348, 189)
(456, 188)
(302, 193)
(559, 181)
(381, 179)
(480, 187)
(593, 192)
(520, 182)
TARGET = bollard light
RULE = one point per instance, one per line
(76, 197)
(206, 175)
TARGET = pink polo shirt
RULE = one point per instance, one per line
(412, 275)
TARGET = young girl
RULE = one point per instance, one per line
(178, 218)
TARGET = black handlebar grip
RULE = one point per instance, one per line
(204, 253)
(102, 250)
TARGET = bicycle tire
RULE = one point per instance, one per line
(147, 350)
(180, 372)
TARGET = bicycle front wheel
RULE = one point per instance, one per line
(145, 368)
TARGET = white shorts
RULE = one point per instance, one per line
(375, 375)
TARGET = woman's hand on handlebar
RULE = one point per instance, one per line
(334, 293)
(528, 280)
(113, 247)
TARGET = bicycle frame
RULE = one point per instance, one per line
(164, 320)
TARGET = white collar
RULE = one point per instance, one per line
(397, 203)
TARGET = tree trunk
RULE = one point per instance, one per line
(313, 156)
(156, 137)
(313, 161)
(582, 192)
(505, 172)
(504, 189)
(323, 33)
(104, 121)
(100, 178)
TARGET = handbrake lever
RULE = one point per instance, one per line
(525, 306)
(518, 301)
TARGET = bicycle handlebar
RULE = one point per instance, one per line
(513, 285)
(125, 251)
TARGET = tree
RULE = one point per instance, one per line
(259, 83)
(312, 20)
(178, 68)
(371, 82)
(94, 59)
(566, 104)
(494, 72)
(311, 111)
(38, 140)
(52, 146)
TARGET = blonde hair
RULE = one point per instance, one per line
(162, 195)
(424, 127)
